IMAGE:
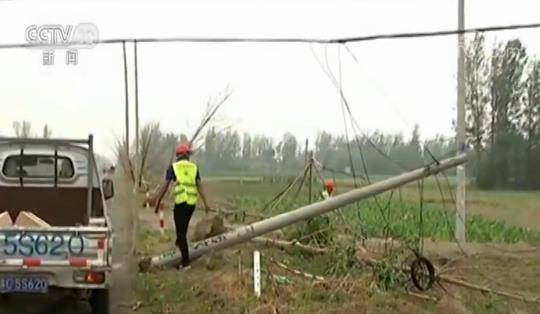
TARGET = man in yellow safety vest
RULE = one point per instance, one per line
(329, 188)
(187, 189)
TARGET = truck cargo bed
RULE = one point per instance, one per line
(60, 206)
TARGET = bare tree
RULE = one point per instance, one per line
(212, 106)
(157, 148)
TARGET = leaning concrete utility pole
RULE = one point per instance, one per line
(259, 228)
(461, 214)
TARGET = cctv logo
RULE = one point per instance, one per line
(83, 35)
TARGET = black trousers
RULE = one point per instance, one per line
(182, 216)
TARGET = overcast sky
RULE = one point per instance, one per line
(276, 87)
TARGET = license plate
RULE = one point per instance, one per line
(27, 283)
(50, 245)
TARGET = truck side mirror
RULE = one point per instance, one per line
(108, 188)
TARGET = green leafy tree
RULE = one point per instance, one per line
(476, 92)
(531, 127)
(288, 151)
(506, 88)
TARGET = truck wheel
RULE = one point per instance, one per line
(100, 301)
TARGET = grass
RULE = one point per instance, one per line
(403, 216)
(214, 284)
(404, 222)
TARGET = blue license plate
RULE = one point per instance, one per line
(52, 245)
(26, 283)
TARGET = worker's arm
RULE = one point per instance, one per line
(202, 193)
(162, 193)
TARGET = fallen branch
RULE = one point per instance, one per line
(288, 244)
(370, 245)
(489, 290)
(309, 235)
(422, 296)
(297, 272)
(536, 300)
(363, 256)
(237, 212)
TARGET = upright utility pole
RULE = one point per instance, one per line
(310, 176)
(136, 101)
(306, 150)
(460, 230)
(127, 97)
(137, 147)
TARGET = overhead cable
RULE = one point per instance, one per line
(338, 40)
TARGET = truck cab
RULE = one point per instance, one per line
(55, 232)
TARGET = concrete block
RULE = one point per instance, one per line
(28, 219)
(5, 220)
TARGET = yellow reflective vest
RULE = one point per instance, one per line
(325, 195)
(186, 185)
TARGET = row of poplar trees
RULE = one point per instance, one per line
(503, 114)
(375, 153)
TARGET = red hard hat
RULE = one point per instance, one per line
(330, 184)
(183, 149)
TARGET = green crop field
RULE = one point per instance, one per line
(515, 211)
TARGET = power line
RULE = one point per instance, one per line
(354, 124)
(299, 40)
(344, 117)
(437, 33)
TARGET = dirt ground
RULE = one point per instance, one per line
(223, 283)
(513, 269)
(124, 264)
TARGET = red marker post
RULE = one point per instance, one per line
(147, 200)
(161, 219)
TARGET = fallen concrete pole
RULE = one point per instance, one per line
(243, 234)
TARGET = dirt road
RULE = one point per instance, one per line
(124, 268)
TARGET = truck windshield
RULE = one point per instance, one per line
(37, 166)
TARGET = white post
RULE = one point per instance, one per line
(257, 273)
(460, 231)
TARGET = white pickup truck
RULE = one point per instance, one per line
(55, 234)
